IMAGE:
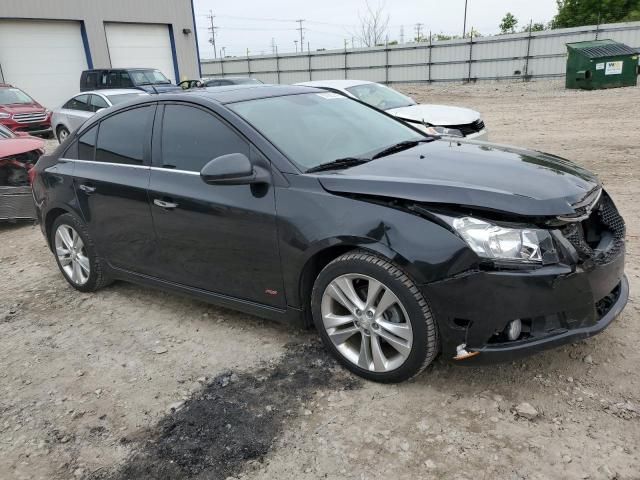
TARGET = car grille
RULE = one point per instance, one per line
(469, 128)
(600, 237)
(30, 117)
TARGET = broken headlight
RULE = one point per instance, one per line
(445, 132)
(495, 242)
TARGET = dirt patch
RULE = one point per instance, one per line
(234, 420)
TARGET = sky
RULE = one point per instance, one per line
(259, 24)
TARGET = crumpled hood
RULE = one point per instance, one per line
(473, 174)
(15, 146)
(437, 115)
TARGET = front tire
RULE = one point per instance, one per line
(373, 318)
(76, 255)
(62, 133)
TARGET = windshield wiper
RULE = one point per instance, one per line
(398, 147)
(339, 163)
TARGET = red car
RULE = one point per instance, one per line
(18, 155)
(21, 113)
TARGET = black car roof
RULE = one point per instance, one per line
(240, 93)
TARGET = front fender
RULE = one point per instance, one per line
(312, 221)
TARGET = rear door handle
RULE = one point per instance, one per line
(165, 204)
(88, 189)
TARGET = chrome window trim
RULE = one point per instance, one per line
(159, 169)
(104, 163)
(173, 170)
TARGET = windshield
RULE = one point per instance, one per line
(380, 96)
(315, 128)
(9, 96)
(148, 77)
(123, 97)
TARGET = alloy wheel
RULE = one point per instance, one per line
(366, 322)
(72, 255)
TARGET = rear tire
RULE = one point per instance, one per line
(373, 318)
(76, 255)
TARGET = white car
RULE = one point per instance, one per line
(77, 109)
(440, 119)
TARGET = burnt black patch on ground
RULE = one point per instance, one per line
(235, 419)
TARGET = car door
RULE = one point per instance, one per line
(219, 238)
(111, 177)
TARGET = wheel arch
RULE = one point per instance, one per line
(329, 251)
(49, 218)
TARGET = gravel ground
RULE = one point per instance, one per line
(133, 383)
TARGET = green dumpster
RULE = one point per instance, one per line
(601, 64)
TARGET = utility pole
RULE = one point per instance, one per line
(401, 33)
(464, 25)
(296, 42)
(301, 33)
(273, 46)
(223, 52)
(345, 43)
(418, 30)
(353, 42)
(212, 29)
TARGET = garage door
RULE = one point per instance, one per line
(135, 45)
(44, 59)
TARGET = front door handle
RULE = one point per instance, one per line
(88, 189)
(165, 204)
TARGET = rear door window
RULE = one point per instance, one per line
(113, 80)
(97, 102)
(91, 80)
(125, 80)
(80, 102)
(192, 137)
(124, 137)
(87, 144)
(84, 147)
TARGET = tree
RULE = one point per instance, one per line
(373, 25)
(442, 37)
(574, 13)
(535, 27)
(472, 33)
(508, 23)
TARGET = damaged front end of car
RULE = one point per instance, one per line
(539, 283)
(17, 158)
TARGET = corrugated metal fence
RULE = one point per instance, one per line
(520, 55)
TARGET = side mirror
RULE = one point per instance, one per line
(233, 169)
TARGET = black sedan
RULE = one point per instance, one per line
(305, 206)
